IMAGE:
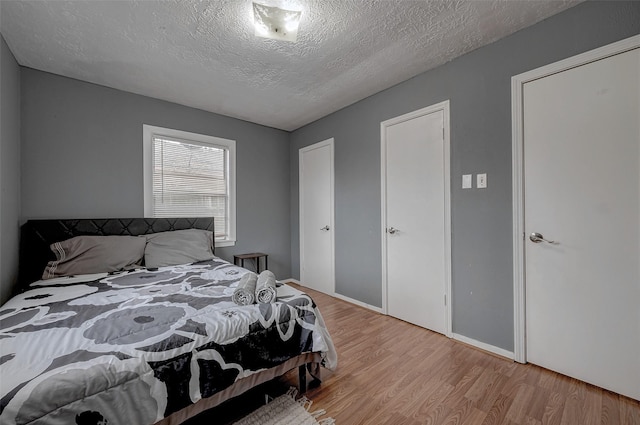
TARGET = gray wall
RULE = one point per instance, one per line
(82, 158)
(9, 169)
(478, 86)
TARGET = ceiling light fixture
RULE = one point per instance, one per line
(276, 23)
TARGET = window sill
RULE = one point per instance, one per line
(220, 244)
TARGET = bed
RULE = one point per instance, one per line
(142, 345)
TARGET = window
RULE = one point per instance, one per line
(190, 175)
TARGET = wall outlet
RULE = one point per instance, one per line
(481, 181)
(466, 181)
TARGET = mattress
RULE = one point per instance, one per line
(137, 347)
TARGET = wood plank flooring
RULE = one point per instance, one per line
(394, 373)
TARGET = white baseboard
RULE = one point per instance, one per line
(478, 344)
(484, 346)
(358, 303)
(341, 297)
(291, 280)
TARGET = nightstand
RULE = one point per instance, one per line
(251, 256)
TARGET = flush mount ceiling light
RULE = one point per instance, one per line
(276, 23)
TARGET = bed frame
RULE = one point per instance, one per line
(37, 235)
(35, 252)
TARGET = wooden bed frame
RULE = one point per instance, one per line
(38, 235)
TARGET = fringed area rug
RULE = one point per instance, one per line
(286, 410)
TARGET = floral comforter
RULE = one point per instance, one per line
(133, 348)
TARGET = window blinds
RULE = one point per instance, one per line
(191, 180)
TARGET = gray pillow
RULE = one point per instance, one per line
(94, 254)
(178, 247)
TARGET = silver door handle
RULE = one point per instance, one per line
(536, 237)
(392, 231)
(325, 228)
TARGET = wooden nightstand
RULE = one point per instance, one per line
(251, 256)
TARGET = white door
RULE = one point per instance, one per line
(415, 186)
(582, 191)
(316, 217)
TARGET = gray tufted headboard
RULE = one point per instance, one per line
(37, 235)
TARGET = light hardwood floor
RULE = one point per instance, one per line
(394, 373)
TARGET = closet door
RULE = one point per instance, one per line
(582, 222)
(316, 217)
(415, 216)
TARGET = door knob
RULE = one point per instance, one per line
(536, 237)
(325, 228)
(392, 230)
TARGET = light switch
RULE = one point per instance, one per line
(466, 181)
(481, 181)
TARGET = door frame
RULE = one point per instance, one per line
(301, 151)
(517, 158)
(444, 107)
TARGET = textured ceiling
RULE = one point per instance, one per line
(204, 53)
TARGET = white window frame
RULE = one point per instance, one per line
(150, 131)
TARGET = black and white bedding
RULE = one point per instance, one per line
(134, 347)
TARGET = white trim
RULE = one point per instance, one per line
(227, 242)
(444, 107)
(231, 238)
(484, 346)
(339, 296)
(519, 342)
(332, 230)
(358, 303)
(148, 131)
(147, 165)
(447, 220)
(383, 214)
(517, 149)
(291, 280)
